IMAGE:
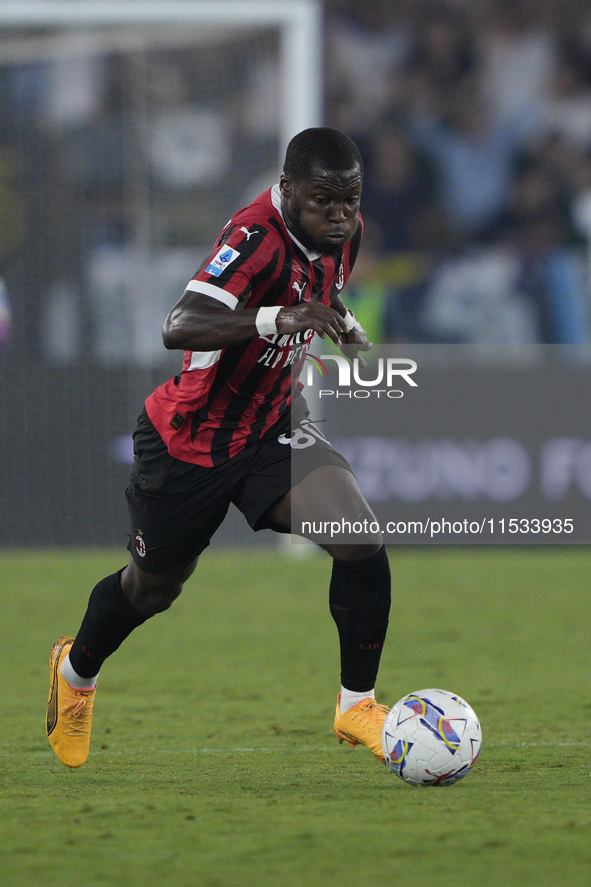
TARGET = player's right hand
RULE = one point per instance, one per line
(325, 321)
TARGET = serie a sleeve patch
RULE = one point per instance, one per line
(224, 257)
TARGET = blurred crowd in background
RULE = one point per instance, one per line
(474, 118)
(475, 122)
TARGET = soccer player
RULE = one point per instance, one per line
(233, 427)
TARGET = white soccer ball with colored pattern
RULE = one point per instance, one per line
(431, 737)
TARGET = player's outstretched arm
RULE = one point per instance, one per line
(201, 323)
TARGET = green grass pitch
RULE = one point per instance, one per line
(213, 761)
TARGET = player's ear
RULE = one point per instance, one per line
(285, 184)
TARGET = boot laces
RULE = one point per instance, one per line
(78, 711)
(371, 714)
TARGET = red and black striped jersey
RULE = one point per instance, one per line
(225, 400)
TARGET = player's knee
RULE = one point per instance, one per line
(152, 598)
(353, 551)
(150, 593)
(163, 597)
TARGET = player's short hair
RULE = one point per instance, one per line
(322, 147)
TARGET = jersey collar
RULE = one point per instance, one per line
(312, 255)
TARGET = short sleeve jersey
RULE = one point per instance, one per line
(226, 400)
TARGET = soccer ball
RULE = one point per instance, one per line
(431, 737)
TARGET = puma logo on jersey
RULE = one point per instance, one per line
(248, 233)
(300, 289)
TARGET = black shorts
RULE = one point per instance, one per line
(175, 507)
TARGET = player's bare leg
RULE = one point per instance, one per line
(359, 594)
(151, 593)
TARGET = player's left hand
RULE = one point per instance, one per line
(358, 337)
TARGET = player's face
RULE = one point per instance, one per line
(322, 212)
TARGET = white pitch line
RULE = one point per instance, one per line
(265, 751)
(582, 744)
(325, 748)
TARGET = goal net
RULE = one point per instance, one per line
(130, 132)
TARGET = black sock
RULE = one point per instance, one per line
(360, 605)
(108, 620)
